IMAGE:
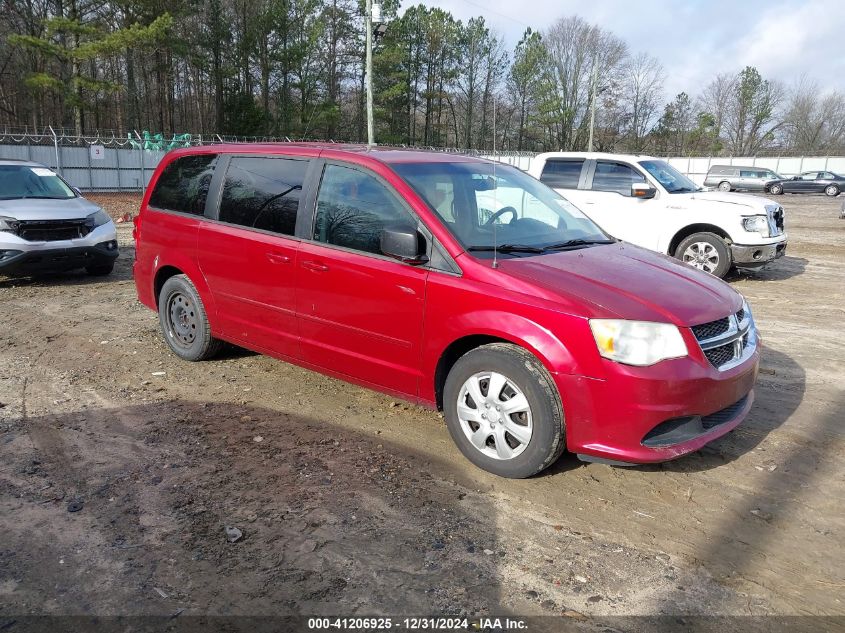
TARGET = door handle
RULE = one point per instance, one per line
(278, 258)
(317, 267)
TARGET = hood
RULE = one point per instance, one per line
(41, 209)
(625, 281)
(683, 200)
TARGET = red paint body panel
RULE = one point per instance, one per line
(386, 325)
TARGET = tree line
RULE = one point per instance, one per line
(295, 68)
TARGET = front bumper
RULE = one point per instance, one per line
(15, 262)
(756, 255)
(617, 419)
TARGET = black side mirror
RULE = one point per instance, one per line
(643, 192)
(405, 243)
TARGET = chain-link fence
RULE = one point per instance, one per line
(109, 161)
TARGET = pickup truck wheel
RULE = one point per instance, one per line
(503, 411)
(776, 190)
(184, 322)
(707, 252)
(831, 190)
(724, 186)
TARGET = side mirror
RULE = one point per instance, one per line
(403, 242)
(76, 191)
(795, 178)
(643, 192)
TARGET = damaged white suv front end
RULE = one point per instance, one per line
(46, 226)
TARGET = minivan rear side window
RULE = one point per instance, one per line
(562, 174)
(183, 185)
(353, 208)
(263, 193)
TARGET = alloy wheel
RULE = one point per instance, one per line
(702, 255)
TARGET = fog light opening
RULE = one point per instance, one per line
(757, 254)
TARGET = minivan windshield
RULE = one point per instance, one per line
(485, 205)
(671, 179)
(32, 181)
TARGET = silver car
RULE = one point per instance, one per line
(736, 178)
(47, 226)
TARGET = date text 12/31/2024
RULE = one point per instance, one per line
(417, 624)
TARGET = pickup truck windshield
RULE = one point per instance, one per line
(31, 181)
(482, 205)
(671, 179)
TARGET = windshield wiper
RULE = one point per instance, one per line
(507, 248)
(577, 243)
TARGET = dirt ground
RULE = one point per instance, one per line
(351, 503)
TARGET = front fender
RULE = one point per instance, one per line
(556, 355)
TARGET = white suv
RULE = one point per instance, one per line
(47, 226)
(649, 203)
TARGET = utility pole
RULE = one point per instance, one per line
(368, 26)
(593, 83)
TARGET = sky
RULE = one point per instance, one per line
(694, 39)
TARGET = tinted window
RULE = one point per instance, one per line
(183, 185)
(562, 174)
(750, 174)
(263, 193)
(615, 177)
(353, 208)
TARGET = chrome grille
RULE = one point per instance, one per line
(711, 329)
(726, 342)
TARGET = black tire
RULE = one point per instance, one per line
(831, 190)
(520, 367)
(724, 186)
(776, 190)
(101, 270)
(183, 320)
(724, 262)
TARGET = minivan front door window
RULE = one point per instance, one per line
(353, 208)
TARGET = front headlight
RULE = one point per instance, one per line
(638, 343)
(99, 218)
(10, 225)
(756, 224)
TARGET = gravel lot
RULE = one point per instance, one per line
(351, 503)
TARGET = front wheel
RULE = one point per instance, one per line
(776, 190)
(724, 186)
(707, 252)
(503, 411)
(831, 190)
(183, 320)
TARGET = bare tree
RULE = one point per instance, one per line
(577, 48)
(642, 92)
(814, 122)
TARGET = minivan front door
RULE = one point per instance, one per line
(360, 313)
(248, 256)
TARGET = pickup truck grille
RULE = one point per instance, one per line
(52, 230)
(725, 342)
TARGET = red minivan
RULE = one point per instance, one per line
(452, 282)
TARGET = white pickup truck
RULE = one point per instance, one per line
(649, 203)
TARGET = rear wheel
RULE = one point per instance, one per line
(831, 190)
(707, 252)
(724, 186)
(503, 411)
(184, 322)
